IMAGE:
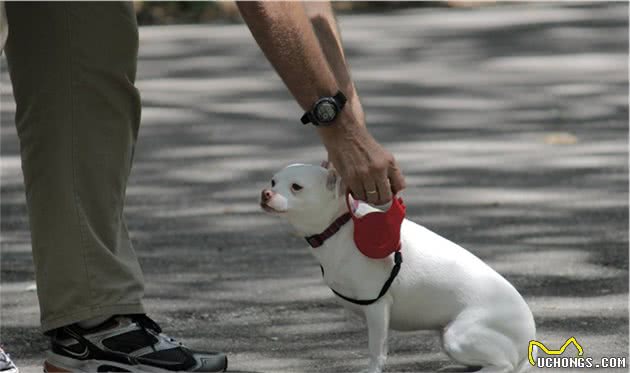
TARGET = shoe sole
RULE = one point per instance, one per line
(59, 364)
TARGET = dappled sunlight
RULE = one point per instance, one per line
(11, 171)
(565, 263)
(19, 297)
(585, 62)
(509, 122)
(220, 35)
(223, 151)
(280, 290)
(305, 329)
(169, 116)
(433, 102)
(203, 86)
(558, 306)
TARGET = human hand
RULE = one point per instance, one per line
(368, 170)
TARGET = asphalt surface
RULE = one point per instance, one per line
(510, 123)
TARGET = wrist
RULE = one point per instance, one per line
(346, 126)
(357, 109)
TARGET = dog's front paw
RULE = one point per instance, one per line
(376, 365)
(370, 370)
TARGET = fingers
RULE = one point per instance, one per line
(371, 192)
(384, 191)
(356, 187)
(396, 179)
(378, 186)
(374, 178)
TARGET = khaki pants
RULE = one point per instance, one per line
(73, 67)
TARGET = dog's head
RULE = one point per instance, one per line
(306, 195)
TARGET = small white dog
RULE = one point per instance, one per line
(441, 286)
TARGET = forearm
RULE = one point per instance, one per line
(284, 33)
(325, 26)
(326, 29)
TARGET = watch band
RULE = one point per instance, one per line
(339, 100)
(306, 118)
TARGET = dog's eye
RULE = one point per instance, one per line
(273, 183)
(296, 187)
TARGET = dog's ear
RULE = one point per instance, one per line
(333, 182)
(331, 179)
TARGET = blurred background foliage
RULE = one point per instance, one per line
(182, 12)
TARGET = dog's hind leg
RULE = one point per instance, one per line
(470, 341)
(377, 318)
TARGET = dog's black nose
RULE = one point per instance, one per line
(266, 195)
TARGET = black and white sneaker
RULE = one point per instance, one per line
(6, 365)
(132, 343)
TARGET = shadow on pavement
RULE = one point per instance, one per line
(510, 123)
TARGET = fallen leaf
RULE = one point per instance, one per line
(561, 138)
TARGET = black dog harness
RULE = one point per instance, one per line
(317, 240)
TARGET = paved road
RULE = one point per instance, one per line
(510, 122)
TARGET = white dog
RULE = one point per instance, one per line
(441, 286)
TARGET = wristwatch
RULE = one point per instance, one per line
(325, 110)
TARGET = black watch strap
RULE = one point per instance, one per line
(309, 117)
(341, 99)
(306, 118)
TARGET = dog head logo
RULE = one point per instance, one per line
(533, 344)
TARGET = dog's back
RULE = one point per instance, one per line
(445, 282)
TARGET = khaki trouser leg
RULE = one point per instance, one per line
(73, 68)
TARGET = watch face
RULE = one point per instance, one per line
(325, 111)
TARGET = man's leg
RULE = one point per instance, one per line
(73, 69)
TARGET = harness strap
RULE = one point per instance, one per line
(365, 302)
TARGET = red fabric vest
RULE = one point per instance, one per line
(377, 234)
